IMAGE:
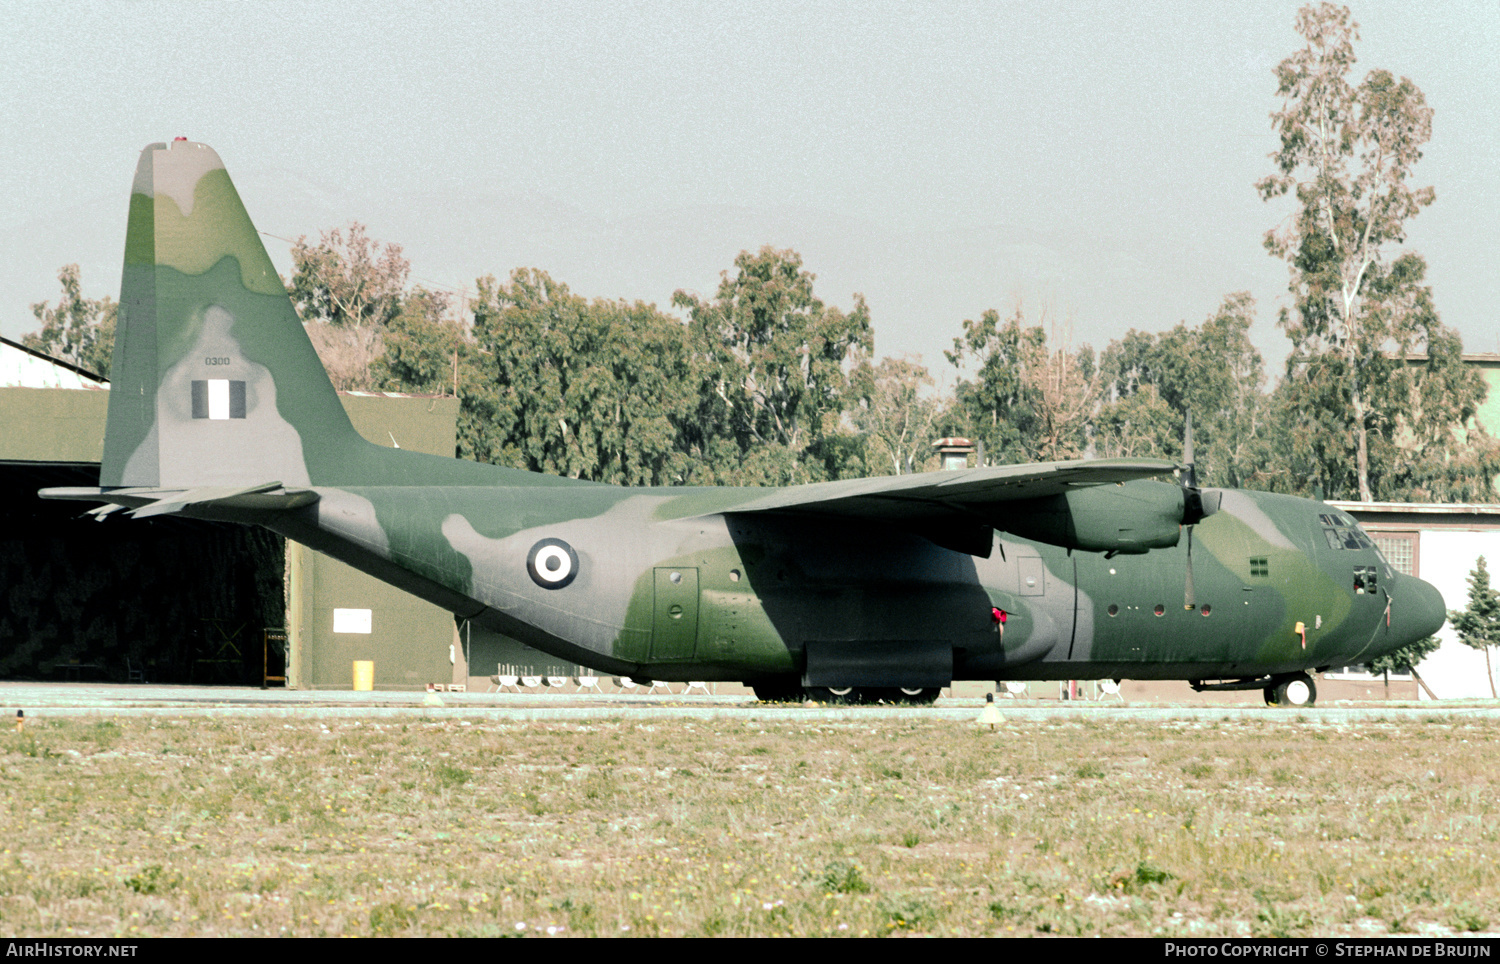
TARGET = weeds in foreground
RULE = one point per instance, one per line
(868, 827)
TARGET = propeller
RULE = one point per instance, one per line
(1196, 506)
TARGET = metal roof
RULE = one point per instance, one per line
(22, 367)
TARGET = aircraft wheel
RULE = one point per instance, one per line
(834, 694)
(919, 695)
(1296, 691)
(1270, 694)
(780, 690)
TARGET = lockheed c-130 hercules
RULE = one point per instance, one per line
(881, 588)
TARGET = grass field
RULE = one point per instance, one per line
(1281, 826)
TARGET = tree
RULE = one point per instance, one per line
(898, 415)
(422, 345)
(1422, 399)
(1478, 624)
(1028, 402)
(773, 368)
(1152, 382)
(353, 287)
(1404, 659)
(79, 330)
(1139, 423)
(1347, 155)
(589, 390)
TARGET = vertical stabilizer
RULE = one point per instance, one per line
(214, 381)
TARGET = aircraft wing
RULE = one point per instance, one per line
(957, 509)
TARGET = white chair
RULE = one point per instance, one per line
(588, 683)
(505, 676)
(697, 685)
(655, 683)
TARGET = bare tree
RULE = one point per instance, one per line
(353, 286)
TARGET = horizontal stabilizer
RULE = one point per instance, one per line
(147, 502)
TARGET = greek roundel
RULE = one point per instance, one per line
(552, 563)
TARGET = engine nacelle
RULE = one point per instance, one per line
(1129, 517)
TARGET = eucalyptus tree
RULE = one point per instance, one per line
(1347, 155)
(77, 329)
(775, 374)
(556, 383)
(1027, 400)
(1151, 382)
(425, 347)
(898, 416)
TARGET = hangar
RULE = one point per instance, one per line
(176, 601)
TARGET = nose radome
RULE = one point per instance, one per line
(1417, 610)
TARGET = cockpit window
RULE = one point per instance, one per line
(1342, 532)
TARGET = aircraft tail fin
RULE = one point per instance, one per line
(214, 381)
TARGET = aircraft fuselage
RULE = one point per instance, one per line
(654, 588)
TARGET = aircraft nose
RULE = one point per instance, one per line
(1417, 610)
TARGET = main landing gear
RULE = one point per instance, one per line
(913, 695)
(1296, 690)
(785, 691)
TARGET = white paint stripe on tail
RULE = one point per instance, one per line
(218, 398)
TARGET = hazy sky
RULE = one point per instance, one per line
(1095, 160)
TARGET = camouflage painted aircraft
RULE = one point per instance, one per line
(883, 588)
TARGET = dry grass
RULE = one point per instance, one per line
(878, 826)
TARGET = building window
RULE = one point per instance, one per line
(1399, 549)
